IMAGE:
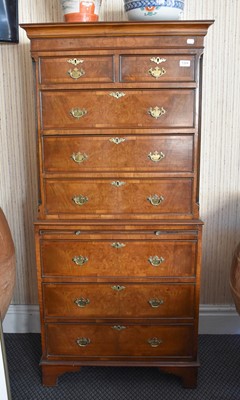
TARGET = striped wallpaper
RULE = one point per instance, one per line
(220, 161)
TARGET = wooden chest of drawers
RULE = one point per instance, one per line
(118, 237)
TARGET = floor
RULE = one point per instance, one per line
(219, 375)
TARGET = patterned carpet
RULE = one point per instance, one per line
(219, 375)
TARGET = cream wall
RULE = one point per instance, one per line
(220, 161)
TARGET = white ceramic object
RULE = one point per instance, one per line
(150, 10)
(81, 10)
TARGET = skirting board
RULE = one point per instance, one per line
(214, 320)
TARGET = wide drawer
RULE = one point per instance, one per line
(121, 257)
(123, 196)
(117, 300)
(76, 340)
(161, 68)
(170, 108)
(76, 70)
(111, 153)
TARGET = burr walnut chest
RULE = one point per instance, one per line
(118, 235)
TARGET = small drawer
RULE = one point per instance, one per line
(157, 68)
(76, 69)
(119, 340)
(113, 153)
(120, 257)
(118, 300)
(71, 110)
(119, 196)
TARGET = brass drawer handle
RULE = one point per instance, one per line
(76, 73)
(158, 60)
(118, 183)
(156, 112)
(83, 342)
(154, 342)
(118, 288)
(156, 156)
(155, 261)
(155, 303)
(118, 245)
(80, 260)
(157, 72)
(82, 303)
(79, 157)
(75, 61)
(155, 200)
(117, 140)
(118, 327)
(78, 112)
(80, 200)
(117, 95)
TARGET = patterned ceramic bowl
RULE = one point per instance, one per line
(150, 10)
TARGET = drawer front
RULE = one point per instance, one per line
(119, 340)
(101, 258)
(110, 109)
(116, 300)
(76, 70)
(123, 196)
(162, 68)
(111, 153)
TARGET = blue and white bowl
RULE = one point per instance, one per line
(150, 10)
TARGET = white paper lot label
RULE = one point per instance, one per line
(185, 63)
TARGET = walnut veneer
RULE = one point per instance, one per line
(118, 236)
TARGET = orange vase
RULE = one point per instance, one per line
(81, 10)
(7, 265)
